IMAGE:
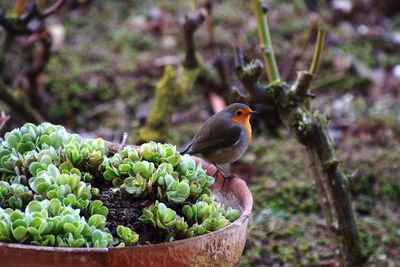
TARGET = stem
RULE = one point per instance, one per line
(319, 46)
(3, 119)
(249, 74)
(22, 107)
(326, 200)
(210, 25)
(336, 182)
(266, 43)
(37, 68)
(194, 5)
(52, 9)
(18, 7)
(8, 40)
(190, 24)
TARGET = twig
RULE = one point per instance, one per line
(3, 119)
(38, 66)
(52, 9)
(123, 141)
(304, 78)
(221, 70)
(266, 43)
(239, 96)
(191, 22)
(208, 5)
(210, 76)
(297, 56)
(319, 45)
(302, 85)
(9, 39)
(21, 107)
(18, 7)
(249, 74)
(194, 5)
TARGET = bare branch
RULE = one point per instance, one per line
(302, 84)
(191, 22)
(123, 141)
(3, 119)
(22, 107)
(208, 5)
(239, 96)
(249, 74)
(52, 9)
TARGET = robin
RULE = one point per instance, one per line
(224, 137)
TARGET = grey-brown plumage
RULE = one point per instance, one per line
(224, 137)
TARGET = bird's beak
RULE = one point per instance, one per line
(253, 112)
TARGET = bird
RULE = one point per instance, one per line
(224, 137)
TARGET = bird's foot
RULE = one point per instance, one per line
(224, 173)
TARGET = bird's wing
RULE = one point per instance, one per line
(205, 141)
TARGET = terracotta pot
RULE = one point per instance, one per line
(219, 248)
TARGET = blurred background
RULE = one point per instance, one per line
(93, 67)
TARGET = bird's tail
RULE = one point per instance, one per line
(186, 150)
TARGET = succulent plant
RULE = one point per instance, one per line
(177, 192)
(196, 230)
(15, 196)
(97, 207)
(135, 185)
(66, 186)
(50, 223)
(215, 222)
(232, 214)
(159, 215)
(96, 151)
(180, 231)
(127, 235)
(46, 192)
(159, 153)
(206, 215)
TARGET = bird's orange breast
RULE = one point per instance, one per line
(245, 122)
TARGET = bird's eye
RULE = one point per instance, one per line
(239, 113)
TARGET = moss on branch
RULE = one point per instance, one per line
(170, 91)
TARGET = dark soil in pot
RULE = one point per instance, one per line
(124, 209)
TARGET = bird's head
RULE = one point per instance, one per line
(239, 113)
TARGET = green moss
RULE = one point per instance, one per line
(324, 242)
(286, 253)
(149, 134)
(305, 246)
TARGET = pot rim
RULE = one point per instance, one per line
(242, 219)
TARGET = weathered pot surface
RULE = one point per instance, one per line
(219, 248)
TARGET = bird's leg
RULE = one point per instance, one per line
(224, 173)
